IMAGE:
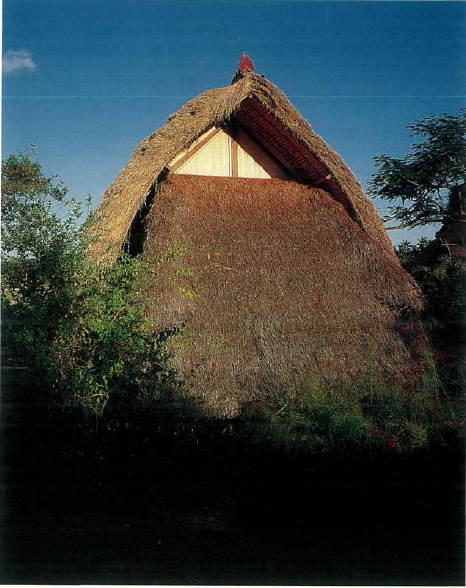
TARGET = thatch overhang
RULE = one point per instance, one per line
(268, 115)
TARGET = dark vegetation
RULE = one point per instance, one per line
(111, 475)
(154, 502)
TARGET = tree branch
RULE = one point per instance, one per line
(397, 227)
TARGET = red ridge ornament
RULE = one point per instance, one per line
(245, 64)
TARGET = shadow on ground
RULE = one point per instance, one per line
(143, 507)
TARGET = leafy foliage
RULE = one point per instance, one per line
(109, 347)
(42, 255)
(427, 184)
(443, 283)
(83, 328)
(361, 416)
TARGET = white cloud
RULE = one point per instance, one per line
(16, 61)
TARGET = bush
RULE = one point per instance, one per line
(108, 347)
(442, 279)
(361, 417)
(81, 327)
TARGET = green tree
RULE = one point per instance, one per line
(42, 250)
(83, 328)
(427, 184)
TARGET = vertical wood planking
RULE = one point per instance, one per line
(229, 151)
(234, 158)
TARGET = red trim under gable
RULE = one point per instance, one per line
(293, 154)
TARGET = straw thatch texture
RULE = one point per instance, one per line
(128, 193)
(274, 283)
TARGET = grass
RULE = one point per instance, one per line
(362, 416)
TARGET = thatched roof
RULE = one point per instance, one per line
(262, 108)
(275, 284)
(274, 280)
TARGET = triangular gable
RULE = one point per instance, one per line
(228, 151)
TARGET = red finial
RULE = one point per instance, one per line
(245, 64)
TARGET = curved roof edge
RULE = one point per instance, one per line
(128, 193)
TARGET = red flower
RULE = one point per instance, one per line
(405, 448)
(438, 356)
(393, 444)
(403, 331)
(375, 431)
(257, 407)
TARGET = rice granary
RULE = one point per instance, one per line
(267, 250)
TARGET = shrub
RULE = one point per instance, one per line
(442, 279)
(108, 347)
(81, 327)
(367, 416)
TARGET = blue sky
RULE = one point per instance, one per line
(88, 79)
